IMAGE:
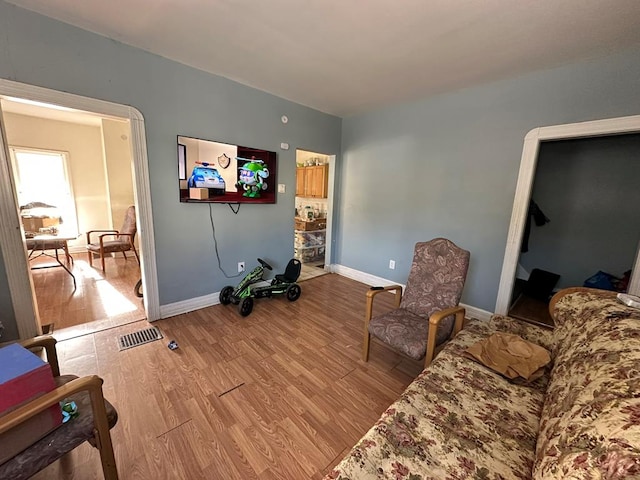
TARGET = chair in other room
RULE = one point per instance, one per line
(96, 417)
(428, 314)
(112, 241)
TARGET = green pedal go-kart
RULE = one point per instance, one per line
(246, 291)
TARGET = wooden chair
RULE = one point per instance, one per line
(123, 241)
(96, 417)
(427, 315)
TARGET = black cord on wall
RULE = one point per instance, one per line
(215, 240)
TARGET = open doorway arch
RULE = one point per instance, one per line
(10, 236)
(597, 128)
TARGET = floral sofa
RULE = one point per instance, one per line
(460, 420)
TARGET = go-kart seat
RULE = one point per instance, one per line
(291, 273)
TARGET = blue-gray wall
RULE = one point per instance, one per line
(176, 100)
(590, 190)
(444, 166)
(447, 166)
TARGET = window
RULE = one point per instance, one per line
(42, 176)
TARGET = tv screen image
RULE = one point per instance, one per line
(216, 172)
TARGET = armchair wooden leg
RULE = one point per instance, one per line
(135, 252)
(102, 260)
(367, 336)
(431, 346)
(90, 255)
(365, 343)
(107, 458)
(102, 435)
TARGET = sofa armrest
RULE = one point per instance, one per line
(566, 291)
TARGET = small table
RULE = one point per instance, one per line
(43, 242)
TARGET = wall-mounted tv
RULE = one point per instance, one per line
(222, 173)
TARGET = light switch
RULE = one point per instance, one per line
(281, 188)
(284, 146)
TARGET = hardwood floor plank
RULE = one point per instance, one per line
(280, 394)
(107, 298)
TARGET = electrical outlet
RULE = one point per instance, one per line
(392, 264)
(240, 267)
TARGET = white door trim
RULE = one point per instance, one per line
(10, 236)
(596, 128)
(328, 247)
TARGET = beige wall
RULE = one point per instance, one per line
(87, 169)
(118, 165)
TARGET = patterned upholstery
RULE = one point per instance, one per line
(436, 280)
(590, 425)
(59, 442)
(459, 420)
(456, 420)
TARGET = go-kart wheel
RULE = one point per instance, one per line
(293, 292)
(246, 306)
(225, 295)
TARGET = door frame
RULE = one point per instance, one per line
(331, 187)
(16, 266)
(596, 128)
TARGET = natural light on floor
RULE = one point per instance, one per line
(113, 302)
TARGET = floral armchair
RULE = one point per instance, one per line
(428, 313)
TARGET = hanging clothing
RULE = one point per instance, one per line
(539, 218)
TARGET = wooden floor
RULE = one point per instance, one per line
(531, 310)
(312, 270)
(281, 394)
(106, 299)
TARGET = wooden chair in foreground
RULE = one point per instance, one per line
(123, 240)
(95, 417)
(427, 315)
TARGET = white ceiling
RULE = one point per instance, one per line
(346, 57)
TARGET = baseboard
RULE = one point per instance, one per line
(211, 299)
(474, 312)
(362, 277)
(372, 280)
(185, 306)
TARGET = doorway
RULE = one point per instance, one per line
(312, 213)
(72, 172)
(533, 139)
(580, 228)
(16, 265)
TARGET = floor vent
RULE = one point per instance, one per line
(140, 337)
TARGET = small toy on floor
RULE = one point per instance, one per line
(173, 345)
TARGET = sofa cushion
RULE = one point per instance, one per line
(590, 424)
(456, 420)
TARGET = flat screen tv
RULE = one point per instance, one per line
(215, 172)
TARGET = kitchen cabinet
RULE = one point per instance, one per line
(312, 181)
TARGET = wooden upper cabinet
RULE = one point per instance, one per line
(301, 177)
(312, 181)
